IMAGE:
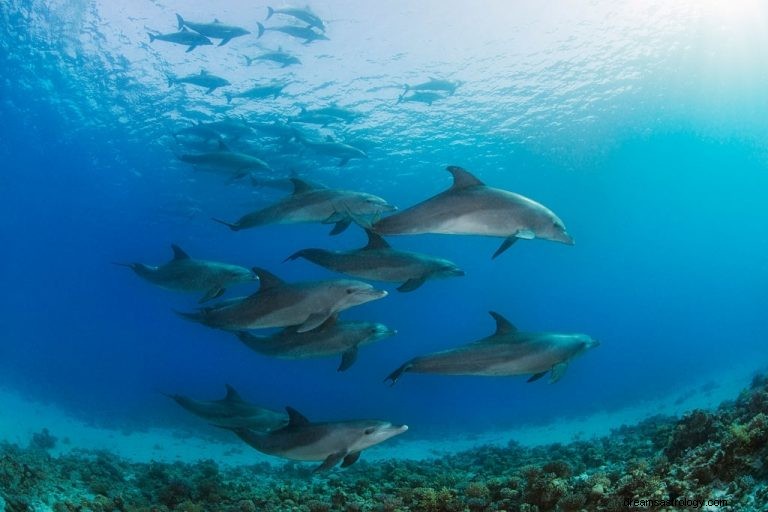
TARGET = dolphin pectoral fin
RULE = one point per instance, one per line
(506, 244)
(350, 459)
(331, 461)
(225, 41)
(210, 90)
(233, 227)
(213, 293)
(536, 376)
(412, 284)
(395, 375)
(191, 48)
(558, 371)
(315, 320)
(348, 358)
(343, 162)
(341, 226)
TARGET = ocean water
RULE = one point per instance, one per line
(642, 125)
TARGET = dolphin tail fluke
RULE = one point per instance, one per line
(270, 12)
(249, 60)
(180, 21)
(171, 81)
(152, 37)
(121, 264)
(228, 95)
(260, 30)
(395, 375)
(233, 227)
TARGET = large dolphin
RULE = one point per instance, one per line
(331, 338)
(285, 59)
(257, 92)
(506, 352)
(305, 15)
(470, 207)
(183, 37)
(203, 79)
(305, 33)
(215, 30)
(306, 305)
(185, 274)
(427, 97)
(314, 203)
(380, 262)
(236, 165)
(331, 442)
(233, 412)
(329, 147)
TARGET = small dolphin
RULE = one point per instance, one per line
(238, 165)
(232, 128)
(427, 97)
(233, 412)
(331, 442)
(279, 304)
(329, 147)
(215, 30)
(280, 57)
(257, 92)
(185, 274)
(379, 262)
(434, 84)
(506, 352)
(342, 114)
(305, 33)
(183, 37)
(329, 339)
(305, 15)
(203, 79)
(315, 203)
(470, 207)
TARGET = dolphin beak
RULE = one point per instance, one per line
(458, 273)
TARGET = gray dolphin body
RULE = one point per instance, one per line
(233, 412)
(331, 442)
(215, 30)
(236, 165)
(314, 203)
(202, 79)
(306, 305)
(434, 84)
(427, 97)
(185, 274)
(183, 37)
(305, 33)
(330, 339)
(506, 352)
(257, 92)
(329, 147)
(470, 207)
(305, 15)
(379, 262)
(283, 58)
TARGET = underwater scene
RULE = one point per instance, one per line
(383, 256)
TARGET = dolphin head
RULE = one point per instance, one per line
(372, 432)
(584, 342)
(552, 228)
(240, 275)
(368, 204)
(351, 293)
(378, 332)
(447, 268)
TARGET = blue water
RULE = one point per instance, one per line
(643, 127)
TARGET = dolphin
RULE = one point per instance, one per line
(215, 30)
(379, 262)
(183, 37)
(470, 207)
(329, 339)
(329, 147)
(506, 352)
(342, 114)
(232, 412)
(330, 442)
(427, 97)
(185, 274)
(305, 33)
(236, 164)
(258, 92)
(305, 15)
(232, 128)
(279, 304)
(315, 203)
(434, 84)
(202, 79)
(280, 57)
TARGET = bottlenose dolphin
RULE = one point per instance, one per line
(185, 274)
(183, 37)
(434, 84)
(329, 147)
(257, 92)
(231, 128)
(305, 33)
(329, 339)
(331, 442)
(305, 15)
(202, 79)
(215, 30)
(315, 203)
(427, 97)
(505, 352)
(281, 57)
(231, 162)
(470, 207)
(279, 304)
(379, 262)
(342, 114)
(232, 412)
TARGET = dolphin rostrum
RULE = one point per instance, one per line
(237, 165)
(306, 305)
(183, 37)
(470, 207)
(314, 203)
(329, 339)
(331, 442)
(203, 79)
(233, 412)
(380, 262)
(215, 30)
(185, 274)
(506, 352)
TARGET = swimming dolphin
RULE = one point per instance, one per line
(305, 33)
(183, 37)
(470, 207)
(232, 128)
(257, 92)
(315, 203)
(281, 57)
(379, 262)
(185, 274)
(225, 160)
(434, 84)
(427, 97)
(331, 442)
(329, 147)
(279, 304)
(233, 412)
(329, 339)
(506, 352)
(215, 30)
(340, 113)
(202, 79)
(305, 15)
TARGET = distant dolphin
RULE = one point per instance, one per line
(331, 442)
(257, 92)
(202, 79)
(279, 56)
(434, 84)
(427, 97)
(183, 37)
(215, 30)
(314, 203)
(305, 15)
(342, 114)
(470, 207)
(379, 262)
(185, 274)
(232, 128)
(237, 165)
(329, 339)
(329, 147)
(306, 305)
(233, 412)
(305, 33)
(506, 352)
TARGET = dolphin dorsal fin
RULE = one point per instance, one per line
(503, 326)
(328, 138)
(463, 178)
(295, 418)
(375, 241)
(203, 72)
(232, 394)
(301, 186)
(178, 253)
(267, 279)
(216, 20)
(223, 146)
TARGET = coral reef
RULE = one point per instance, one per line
(715, 455)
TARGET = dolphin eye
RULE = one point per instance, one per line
(350, 291)
(368, 431)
